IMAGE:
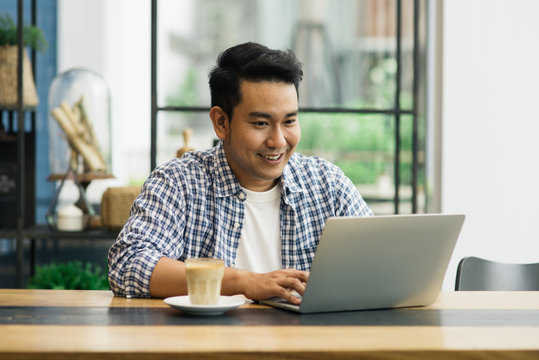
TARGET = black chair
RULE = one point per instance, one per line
(475, 274)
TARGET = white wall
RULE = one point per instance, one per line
(113, 39)
(81, 34)
(490, 128)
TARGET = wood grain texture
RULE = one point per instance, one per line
(266, 342)
(525, 300)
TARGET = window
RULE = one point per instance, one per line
(358, 100)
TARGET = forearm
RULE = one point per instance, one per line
(168, 279)
(234, 281)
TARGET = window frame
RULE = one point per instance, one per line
(396, 112)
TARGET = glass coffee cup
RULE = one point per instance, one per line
(204, 276)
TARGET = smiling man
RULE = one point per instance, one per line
(251, 200)
(263, 134)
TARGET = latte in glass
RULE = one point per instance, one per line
(204, 276)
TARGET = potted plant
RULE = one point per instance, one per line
(73, 275)
(32, 37)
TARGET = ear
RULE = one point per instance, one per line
(220, 122)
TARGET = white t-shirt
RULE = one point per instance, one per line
(259, 249)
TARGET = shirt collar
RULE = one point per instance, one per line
(226, 183)
(290, 181)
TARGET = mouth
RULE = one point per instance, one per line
(272, 157)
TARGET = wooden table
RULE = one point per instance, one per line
(56, 324)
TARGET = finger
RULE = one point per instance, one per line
(290, 297)
(291, 283)
(304, 276)
(299, 287)
(298, 274)
(292, 273)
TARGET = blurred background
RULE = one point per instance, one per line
(426, 105)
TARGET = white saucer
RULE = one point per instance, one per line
(225, 304)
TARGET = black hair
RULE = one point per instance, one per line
(252, 62)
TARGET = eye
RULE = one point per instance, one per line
(260, 123)
(290, 121)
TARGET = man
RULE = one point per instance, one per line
(250, 200)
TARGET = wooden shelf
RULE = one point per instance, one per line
(44, 232)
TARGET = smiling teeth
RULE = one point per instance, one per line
(272, 157)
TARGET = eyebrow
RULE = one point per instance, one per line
(268, 116)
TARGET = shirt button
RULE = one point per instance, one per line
(236, 225)
(241, 196)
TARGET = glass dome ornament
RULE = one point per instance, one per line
(74, 216)
(79, 126)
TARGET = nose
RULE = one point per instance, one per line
(276, 138)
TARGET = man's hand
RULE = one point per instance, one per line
(168, 279)
(262, 286)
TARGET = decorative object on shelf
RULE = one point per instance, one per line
(79, 130)
(33, 37)
(187, 133)
(80, 136)
(79, 125)
(73, 217)
(116, 204)
(70, 218)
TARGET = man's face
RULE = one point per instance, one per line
(262, 134)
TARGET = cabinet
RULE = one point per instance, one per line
(18, 173)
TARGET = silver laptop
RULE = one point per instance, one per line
(378, 262)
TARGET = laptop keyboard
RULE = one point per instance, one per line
(281, 300)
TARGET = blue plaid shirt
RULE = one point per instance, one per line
(194, 206)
